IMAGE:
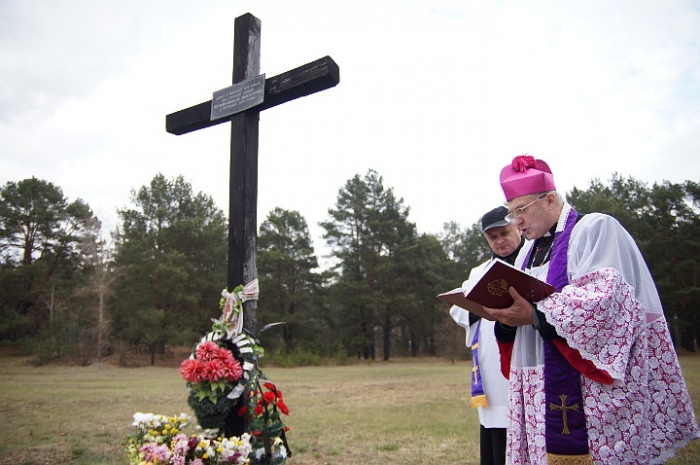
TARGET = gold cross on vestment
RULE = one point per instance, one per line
(475, 365)
(564, 411)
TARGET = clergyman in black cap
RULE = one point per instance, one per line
(489, 387)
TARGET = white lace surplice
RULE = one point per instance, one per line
(612, 315)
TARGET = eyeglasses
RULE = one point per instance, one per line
(518, 212)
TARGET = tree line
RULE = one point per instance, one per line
(67, 293)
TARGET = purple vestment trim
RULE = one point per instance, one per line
(562, 386)
(565, 420)
(477, 383)
(557, 274)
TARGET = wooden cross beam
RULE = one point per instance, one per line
(306, 79)
(243, 186)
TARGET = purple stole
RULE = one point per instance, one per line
(565, 421)
(478, 395)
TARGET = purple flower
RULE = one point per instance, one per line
(181, 445)
(156, 452)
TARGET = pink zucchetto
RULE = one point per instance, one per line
(526, 175)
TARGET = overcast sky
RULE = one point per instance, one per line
(437, 96)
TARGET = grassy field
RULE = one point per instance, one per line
(397, 412)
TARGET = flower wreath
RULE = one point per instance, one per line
(222, 369)
(224, 361)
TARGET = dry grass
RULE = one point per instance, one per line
(398, 412)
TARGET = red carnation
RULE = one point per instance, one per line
(191, 370)
(283, 407)
(269, 397)
(270, 386)
(232, 369)
(207, 350)
(214, 370)
(223, 354)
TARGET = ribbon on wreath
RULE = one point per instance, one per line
(233, 309)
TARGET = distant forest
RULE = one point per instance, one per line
(67, 294)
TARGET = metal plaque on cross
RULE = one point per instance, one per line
(238, 97)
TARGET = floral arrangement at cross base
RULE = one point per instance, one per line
(221, 374)
(265, 403)
(161, 440)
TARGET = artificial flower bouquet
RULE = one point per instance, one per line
(221, 373)
(265, 403)
(212, 372)
(160, 440)
(217, 374)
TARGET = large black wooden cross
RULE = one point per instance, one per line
(243, 188)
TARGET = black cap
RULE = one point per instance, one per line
(494, 219)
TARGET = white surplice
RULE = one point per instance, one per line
(611, 314)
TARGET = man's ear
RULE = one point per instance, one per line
(551, 199)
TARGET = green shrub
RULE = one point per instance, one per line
(295, 358)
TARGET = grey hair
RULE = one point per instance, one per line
(557, 195)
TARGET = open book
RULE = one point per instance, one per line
(489, 288)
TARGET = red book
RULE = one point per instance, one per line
(489, 288)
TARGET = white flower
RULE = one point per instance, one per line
(146, 421)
